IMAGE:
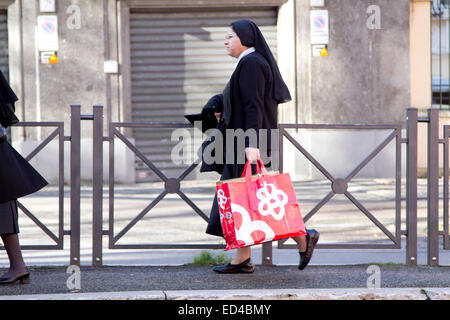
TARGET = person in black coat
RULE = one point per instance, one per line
(250, 102)
(17, 179)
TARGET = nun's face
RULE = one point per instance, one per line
(233, 44)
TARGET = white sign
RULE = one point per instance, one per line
(317, 49)
(111, 67)
(47, 33)
(319, 27)
(317, 3)
(45, 56)
(47, 6)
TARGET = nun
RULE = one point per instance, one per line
(17, 179)
(250, 102)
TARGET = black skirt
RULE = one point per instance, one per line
(9, 218)
(17, 177)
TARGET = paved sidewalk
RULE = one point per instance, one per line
(185, 282)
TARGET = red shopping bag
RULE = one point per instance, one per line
(257, 209)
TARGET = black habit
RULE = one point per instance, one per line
(252, 107)
(250, 101)
(17, 177)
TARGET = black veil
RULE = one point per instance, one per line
(251, 36)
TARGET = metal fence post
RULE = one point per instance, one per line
(75, 173)
(411, 186)
(267, 254)
(97, 187)
(433, 187)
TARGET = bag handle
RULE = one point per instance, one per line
(248, 170)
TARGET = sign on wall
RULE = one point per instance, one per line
(47, 33)
(319, 27)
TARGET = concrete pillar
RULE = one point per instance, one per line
(420, 55)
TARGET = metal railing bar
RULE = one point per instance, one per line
(38, 124)
(371, 217)
(111, 186)
(164, 125)
(167, 246)
(398, 187)
(339, 126)
(140, 155)
(411, 186)
(446, 187)
(319, 205)
(309, 157)
(193, 206)
(140, 216)
(86, 117)
(43, 144)
(40, 247)
(372, 155)
(61, 184)
(38, 222)
(346, 246)
(188, 171)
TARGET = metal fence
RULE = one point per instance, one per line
(339, 185)
(57, 133)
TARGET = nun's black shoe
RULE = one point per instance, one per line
(312, 236)
(21, 277)
(243, 267)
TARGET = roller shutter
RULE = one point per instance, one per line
(178, 61)
(4, 61)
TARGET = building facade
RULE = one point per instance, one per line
(155, 60)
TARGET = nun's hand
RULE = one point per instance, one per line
(218, 116)
(252, 154)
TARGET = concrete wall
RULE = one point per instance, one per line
(365, 78)
(46, 91)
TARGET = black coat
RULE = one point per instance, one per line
(247, 104)
(7, 100)
(17, 177)
(251, 106)
(209, 121)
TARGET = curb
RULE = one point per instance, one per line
(264, 294)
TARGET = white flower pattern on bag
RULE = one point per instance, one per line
(270, 200)
(248, 226)
(221, 199)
